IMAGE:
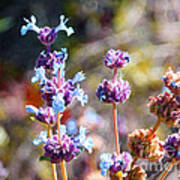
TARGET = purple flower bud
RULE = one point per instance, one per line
(172, 147)
(64, 151)
(110, 92)
(46, 115)
(116, 59)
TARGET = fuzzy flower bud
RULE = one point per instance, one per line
(144, 147)
(116, 59)
(110, 92)
(172, 147)
(166, 108)
(172, 81)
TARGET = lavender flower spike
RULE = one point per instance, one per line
(30, 26)
(62, 26)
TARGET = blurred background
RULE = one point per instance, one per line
(148, 30)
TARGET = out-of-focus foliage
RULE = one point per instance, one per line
(148, 30)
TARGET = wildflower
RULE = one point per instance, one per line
(79, 77)
(43, 114)
(31, 26)
(166, 108)
(46, 35)
(58, 103)
(121, 163)
(67, 148)
(172, 81)
(137, 173)
(80, 95)
(39, 76)
(105, 163)
(144, 147)
(110, 92)
(115, 163)
(116, 59)
(84, 142)
(172, 147)
(41, 139)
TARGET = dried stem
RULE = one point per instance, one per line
(115, 118)
(116, 129)
(155, 128)
(63, 167)
(54, 173)
(163, 175)
(134, 161)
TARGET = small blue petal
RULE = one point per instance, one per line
(43, 136)
(30, 26)
(79, 77)
(23, 30)
(36, 142)
(58, 103)
(31, 109)
(62, 26)
(72, 128)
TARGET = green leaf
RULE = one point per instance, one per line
(44, 158)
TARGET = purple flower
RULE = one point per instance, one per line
(110, 92)
(44, 114)
(64, 151)
(39, 76)
(116, 59)
(53, 150)
(172, 147)
(115, 163)
(120, 163)
(46, 35)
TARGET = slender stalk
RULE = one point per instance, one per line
(155, 128)
(116, 129)
(115, 118)
(134, 161)
(63, 167)
(54, 173)
(163, 175)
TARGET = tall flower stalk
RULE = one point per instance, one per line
(57, 93)
(114, 92)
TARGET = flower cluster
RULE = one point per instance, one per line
(115, 163)
(172, 81)
(118, 90)
(57, 92)
(172, 147)
(110, 92)
(116, 59)
(46, 35)
(167, 105)
(166, 108)
(66, 148)
(144, 147)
